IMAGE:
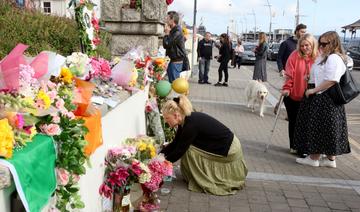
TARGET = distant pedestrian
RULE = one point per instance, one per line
(288, 46)
(223, 59)
(321, 126)
(173, 42)
(297, 72)
(204, 50)
(260, 59)
(239, 51)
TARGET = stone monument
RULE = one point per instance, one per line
(132, 27)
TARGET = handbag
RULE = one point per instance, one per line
(345, 90)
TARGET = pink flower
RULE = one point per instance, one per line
(135, 168)
(118, 177)
(96, 41)
(50, 129)
(62, 176)
(19, 121)
(70, 115)
(55, 118)
(95, 23)
(105, 190)
(52, 94)
(51, 85)
(60, 104)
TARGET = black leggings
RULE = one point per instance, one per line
(223, 67)
(292, 109)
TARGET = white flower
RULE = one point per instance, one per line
(144, 177)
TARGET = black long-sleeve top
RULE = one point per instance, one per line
(175, 45)
(202, 131)
(205, 48)
(285, 49)
(225, 53)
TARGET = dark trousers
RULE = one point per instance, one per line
(223, 68)
(238, 60)
(292, 109)
(204, 66)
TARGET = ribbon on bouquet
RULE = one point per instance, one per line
(9, 67)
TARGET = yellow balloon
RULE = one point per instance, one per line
(180, 85)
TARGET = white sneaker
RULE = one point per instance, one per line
(308, 161)
(328, 163)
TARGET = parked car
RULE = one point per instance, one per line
(353, 51)
(248, 55)
(273, 51)
(349, 62)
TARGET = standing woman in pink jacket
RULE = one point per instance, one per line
(297, 72)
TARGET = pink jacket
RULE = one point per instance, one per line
(296, 74)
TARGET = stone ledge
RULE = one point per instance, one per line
(130, 15)
(121, 44)
(133, 28)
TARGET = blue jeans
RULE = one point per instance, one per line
(173, 71)
(204, 66)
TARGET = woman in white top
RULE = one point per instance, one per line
(321, 124)
(239, 50)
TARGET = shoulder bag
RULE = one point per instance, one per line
(345, 90)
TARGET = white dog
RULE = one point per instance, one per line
(256, 92)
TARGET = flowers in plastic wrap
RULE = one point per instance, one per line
(66, 76)
(6, 139)
(159, 168)
(28, 85)
(77, 63)
(100, 68)
(121, 170)
(144, 146)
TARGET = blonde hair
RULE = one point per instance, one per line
(179, 104)
(262, 38)
(334, 46)
(314, 46)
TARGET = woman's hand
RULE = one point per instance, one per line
(309, 92)
(285, 92)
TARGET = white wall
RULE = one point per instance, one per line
(60, 7)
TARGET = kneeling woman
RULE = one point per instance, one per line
(211, 156)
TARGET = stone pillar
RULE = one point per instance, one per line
(131, 27)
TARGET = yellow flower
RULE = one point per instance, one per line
(33, 132)
(152, 150)
(45, 98)
(152, 154)
(66, 75)
(6, 139)
(142, 146)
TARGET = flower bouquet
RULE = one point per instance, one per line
(121, 171)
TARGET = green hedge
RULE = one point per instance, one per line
(39, 31)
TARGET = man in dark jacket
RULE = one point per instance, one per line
(174, 44)
(288, 46)
(204, 51)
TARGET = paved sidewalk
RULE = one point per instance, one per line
(275, 182)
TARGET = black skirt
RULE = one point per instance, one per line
(321, 127)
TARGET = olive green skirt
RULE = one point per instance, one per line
(214, 174)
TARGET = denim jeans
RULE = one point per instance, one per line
(204, 66)
(173, 71)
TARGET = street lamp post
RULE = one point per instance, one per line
(269, 5)
(193, 38)
(253, 13)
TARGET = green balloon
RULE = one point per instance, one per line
(163, 88)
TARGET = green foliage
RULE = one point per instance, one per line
(103, 50)
(39, 31)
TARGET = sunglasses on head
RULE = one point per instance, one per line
(323, 44)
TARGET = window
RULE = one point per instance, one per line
(47, 7)
(20, 3)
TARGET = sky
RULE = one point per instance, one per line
(319, 15)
